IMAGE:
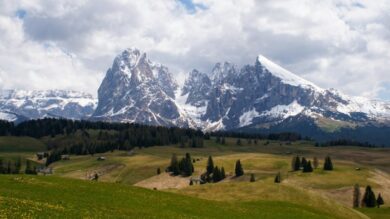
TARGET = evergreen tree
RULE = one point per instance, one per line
(315, 163)
(2, 168)
(303, 162)
(328, 163)
(158, 171)
(9, 169)
(255, 141)
(223, 141)
(307, 168)
(379, 201)
(278, 178)
(239, 170)
(191, 183)
(174, 167)
(216, 174)
(30, 169)
(252, 178)
(356, 196)
(210, 165)
(223, 175)
(295, 163)
(238, 141)
(369, 199)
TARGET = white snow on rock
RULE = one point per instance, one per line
(8, 116)
(247, 117)
(285, 75)
(284, 111)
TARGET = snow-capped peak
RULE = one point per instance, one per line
(285, 75)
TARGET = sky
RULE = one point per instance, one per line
(67, 44)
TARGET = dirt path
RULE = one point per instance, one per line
(164, 181)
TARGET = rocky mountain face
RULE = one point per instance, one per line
(264, 95)
(19, 105)
(261, 96)
(137, 90)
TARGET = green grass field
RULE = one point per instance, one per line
(320, 194)
(48, 197)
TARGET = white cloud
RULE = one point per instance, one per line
(70, 44)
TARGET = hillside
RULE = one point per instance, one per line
(48, 197)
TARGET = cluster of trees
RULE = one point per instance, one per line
(369, 200)
(284, 136)
(213, 173)
(194, 142)
(183, 167)
(14, 166)
(111, 136)
(345, 142)
(306, 166)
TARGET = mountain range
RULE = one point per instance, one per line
(259, 97)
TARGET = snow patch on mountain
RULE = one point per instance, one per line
(284, 111)
(247, 117)
(285, 75)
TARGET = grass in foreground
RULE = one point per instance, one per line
(44, 197)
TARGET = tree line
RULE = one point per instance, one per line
(14, 166)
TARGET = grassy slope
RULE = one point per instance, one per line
(20, 144)
(45, 197)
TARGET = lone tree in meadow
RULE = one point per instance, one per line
(307, 168)
(253, 179)
(356, 196)
(239, 170)
(295, 163)
(315, 162)
(158, 171)
(369, 199)
(278, 178)
(328, 163)
(379, 201)
(210, 166)
(238, 141)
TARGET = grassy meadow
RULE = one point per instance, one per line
(119, 192)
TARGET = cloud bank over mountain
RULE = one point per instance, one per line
(69, 44)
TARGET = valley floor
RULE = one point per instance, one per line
(320, 194)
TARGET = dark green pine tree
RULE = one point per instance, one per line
(30, 169)
(187, 167)
(303, 162)
(296, 163)
(239, 171)
(328, 163)
(223, 175)
(210, 166)
(369, 199)
(174, 166)
(9, 169)
(253, 179)
(2, 168)
(216, 174)
(278, 178)
(308, 168)
(158, 171)
(238, 141)
(379, 201)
